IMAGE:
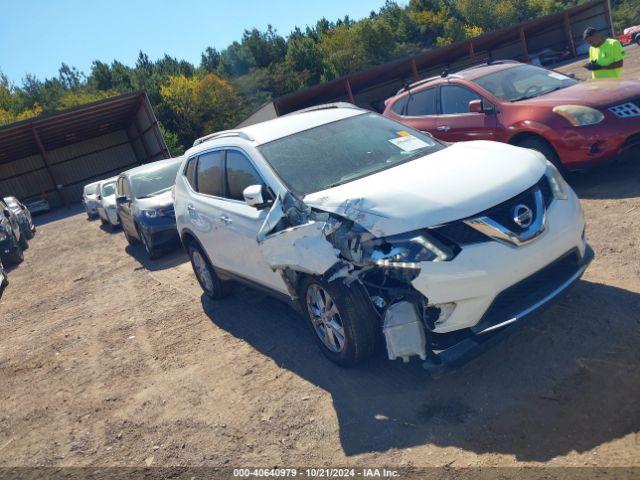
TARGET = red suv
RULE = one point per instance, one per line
(574, 124)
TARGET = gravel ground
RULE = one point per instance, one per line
(108, 359)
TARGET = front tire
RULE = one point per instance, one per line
(211, 284)
(342, 319)
(23, 241)
(542, 146)
(16, 257)
(152, 253)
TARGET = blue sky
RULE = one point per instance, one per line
(36, 36)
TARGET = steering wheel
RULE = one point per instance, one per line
(532, 89)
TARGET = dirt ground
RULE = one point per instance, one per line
(108, 359)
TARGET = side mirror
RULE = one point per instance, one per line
(255, 195)
(120, 199)
(475, 106)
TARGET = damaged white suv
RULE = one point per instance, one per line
(370, 228)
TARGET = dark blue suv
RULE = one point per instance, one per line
(145, 205)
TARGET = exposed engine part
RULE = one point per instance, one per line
(404, 332)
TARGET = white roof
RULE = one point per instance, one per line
(265, 132)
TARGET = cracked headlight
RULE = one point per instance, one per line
(557, 183)
(410, 250)
(579, 115)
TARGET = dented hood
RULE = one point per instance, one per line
(456, 182)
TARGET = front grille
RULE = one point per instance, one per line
(529, 291)
(462, 234)
(627, 110)
(503, 212)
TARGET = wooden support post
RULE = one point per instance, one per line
(131, 140)
(414, 70)
(568, 34)
(45, 160)
(140, 135)
(472, 51)
(347, 86)
(523, 42)
(154, 122)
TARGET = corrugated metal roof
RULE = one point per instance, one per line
(69, 126)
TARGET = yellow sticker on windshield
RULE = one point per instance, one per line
(402, 133)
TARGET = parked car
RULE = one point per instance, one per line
(106, 198)
(630, 35)
(145, 205)
(573, 124)
(13, 242)
(24, 216)
(4, 279)
(90, 199)
(372, 228)
(37, 205)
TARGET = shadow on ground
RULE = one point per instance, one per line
(616, 180)
(57, 214)
(171, 258)
(569, 380)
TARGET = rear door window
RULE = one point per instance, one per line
(422, 103)
(455, 99)
(240, 174)
(209, 173)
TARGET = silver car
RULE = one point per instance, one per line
(106, 202)
(90, 199)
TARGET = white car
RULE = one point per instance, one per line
(106, 199)
(371, 228)
(90, 199)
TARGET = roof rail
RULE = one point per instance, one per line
(426, 80)
(223, 134)
(487, 63)
(325, 106)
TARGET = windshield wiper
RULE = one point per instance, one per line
(526, 97)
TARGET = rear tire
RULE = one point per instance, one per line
(211, 284)
(542, 146)
(342, 320)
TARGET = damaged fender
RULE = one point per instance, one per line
(303, 248)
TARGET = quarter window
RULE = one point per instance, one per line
(209, 173)
(240, 174)
(190, 172)
(455, 99)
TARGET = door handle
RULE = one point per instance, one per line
(443, 128)
(190, 207)
(225, 219)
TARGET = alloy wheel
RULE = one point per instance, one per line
(202, 270)
(325, 318)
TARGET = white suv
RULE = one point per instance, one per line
(370, 228)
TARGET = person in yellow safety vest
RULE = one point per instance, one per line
(605, 54)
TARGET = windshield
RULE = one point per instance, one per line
(90, 189)
(154, 182)
(338, 152)
(108, 189)
(526, 81)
